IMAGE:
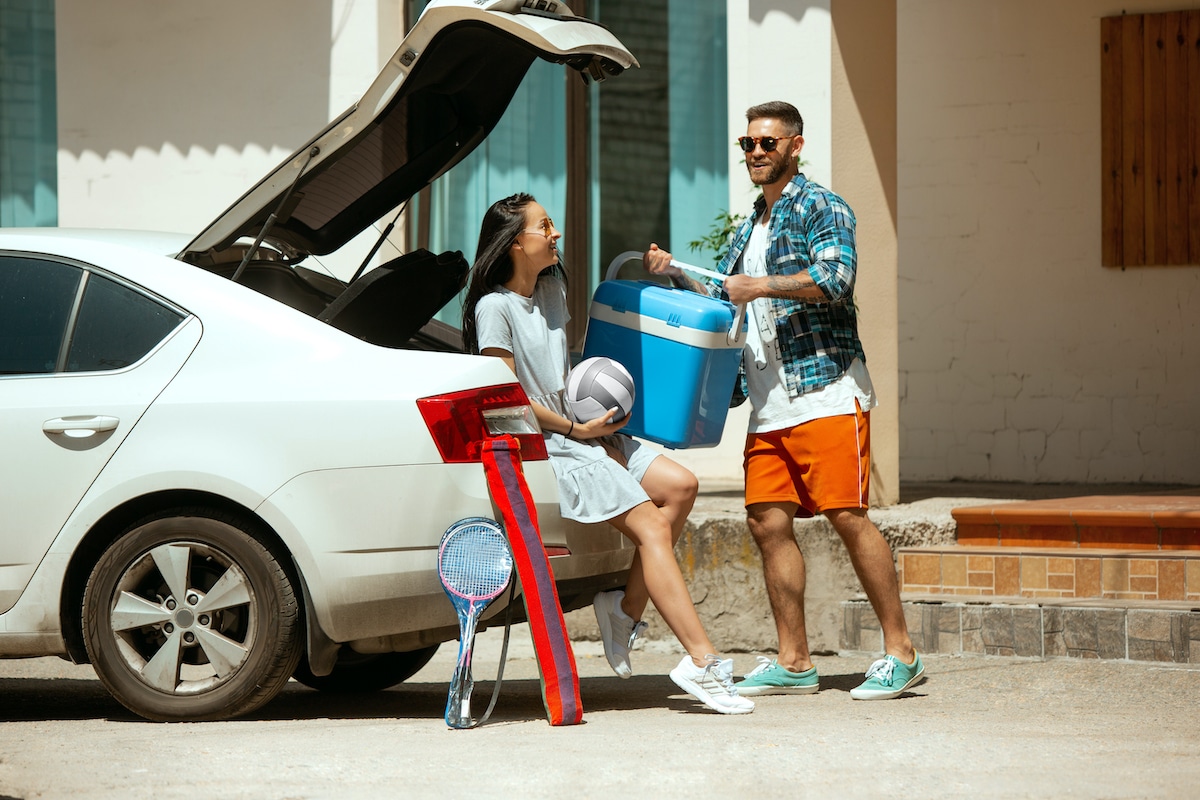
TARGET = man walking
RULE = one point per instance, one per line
(808, 447)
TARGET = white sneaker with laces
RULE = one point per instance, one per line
(712, 684)
(617, 630)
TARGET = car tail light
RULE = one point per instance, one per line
(460, 421)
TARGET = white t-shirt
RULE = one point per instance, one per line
(534, 330)
(772, 409)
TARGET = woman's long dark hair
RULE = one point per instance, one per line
(493, 265)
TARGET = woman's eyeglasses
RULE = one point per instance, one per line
(769, 143)
(547, 225)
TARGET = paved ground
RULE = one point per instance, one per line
(980, 727)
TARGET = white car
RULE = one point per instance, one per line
(219, 467)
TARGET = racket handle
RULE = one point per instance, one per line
(458, 703)
(458, 700)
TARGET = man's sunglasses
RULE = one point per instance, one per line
(769, 143)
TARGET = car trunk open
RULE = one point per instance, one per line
(434, 102)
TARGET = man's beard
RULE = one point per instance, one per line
(773, 174)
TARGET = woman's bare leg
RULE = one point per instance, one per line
(672, 488)
(660, 578)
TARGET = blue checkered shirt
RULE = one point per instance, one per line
(811, 229)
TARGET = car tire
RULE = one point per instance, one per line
(359, 673)
(191, 617)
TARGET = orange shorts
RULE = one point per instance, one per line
(820, 465)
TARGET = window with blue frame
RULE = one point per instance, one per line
(656, 143)
(28, 115)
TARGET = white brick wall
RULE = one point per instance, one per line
(1021, 358)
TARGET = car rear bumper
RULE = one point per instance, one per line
(366, 542)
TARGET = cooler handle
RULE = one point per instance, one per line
(615, 264)
(735, 330)
(630, 255)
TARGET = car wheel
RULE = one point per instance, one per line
(191, 618)
(365, 672)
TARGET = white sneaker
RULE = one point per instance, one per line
(617, 630)
(712, 684)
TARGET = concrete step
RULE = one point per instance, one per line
(1124, 547)
(1095, 576)
(723, 571)
(1124, 522)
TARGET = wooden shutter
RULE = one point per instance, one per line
(1150, 139)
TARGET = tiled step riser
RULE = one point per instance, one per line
(1171, 636)
(999, 572)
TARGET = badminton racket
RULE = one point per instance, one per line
(475, 565)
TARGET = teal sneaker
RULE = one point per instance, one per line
(889, 677)
(771, 678)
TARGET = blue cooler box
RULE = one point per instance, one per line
(676, 344)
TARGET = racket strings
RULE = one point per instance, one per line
(475, 563)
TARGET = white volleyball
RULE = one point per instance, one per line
(596, 386)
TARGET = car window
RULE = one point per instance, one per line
(113, 327)
(116, 326)
(36, 298)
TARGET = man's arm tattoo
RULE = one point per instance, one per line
(793, 287)
(682, 281)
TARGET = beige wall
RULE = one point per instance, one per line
(864, 173)
(1021, 358)
(167, 112)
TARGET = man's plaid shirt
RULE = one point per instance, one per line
(812, 229)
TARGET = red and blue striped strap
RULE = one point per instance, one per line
(556, 659)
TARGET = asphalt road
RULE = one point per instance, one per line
(979, 727)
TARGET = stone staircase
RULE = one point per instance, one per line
(1112, 577)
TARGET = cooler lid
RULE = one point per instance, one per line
(677, 308)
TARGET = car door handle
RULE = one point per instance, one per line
(80, 427)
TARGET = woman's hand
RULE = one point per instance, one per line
(600, 426)
(552, 422)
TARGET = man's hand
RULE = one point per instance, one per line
(742, 288)
(658, 262)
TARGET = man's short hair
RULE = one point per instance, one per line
(777, 109)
